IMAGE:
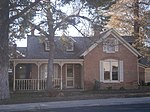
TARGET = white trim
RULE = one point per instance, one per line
(142, 65)
(120, 71)
(72, 46)
(101, 72)
(116, 35)
(47, 45)
(72, 78)
(96, 43)
(127, 45)
(89, 49)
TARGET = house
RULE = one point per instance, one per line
(107, 58)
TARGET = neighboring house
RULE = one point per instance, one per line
(108, 59)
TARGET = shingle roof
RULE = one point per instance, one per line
(35, 48)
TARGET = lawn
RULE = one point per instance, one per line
(42, 96)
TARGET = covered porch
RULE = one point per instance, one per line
(31, 74)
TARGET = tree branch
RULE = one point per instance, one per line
(68, 17)
(38, 28)
(145, 3)
(23, 11)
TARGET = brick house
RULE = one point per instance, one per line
(108, 58)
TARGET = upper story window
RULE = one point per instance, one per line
(110, 45)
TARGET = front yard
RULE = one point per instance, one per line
(34, 96)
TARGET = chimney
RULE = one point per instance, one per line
(32, 31)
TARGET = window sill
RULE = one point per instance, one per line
(111, 81)
(110, 51)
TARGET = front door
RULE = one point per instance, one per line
(70, 76)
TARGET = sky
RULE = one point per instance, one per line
(71, 31)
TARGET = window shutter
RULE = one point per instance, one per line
(101, 71)
(104, 47)
(121, 71)
(116, 45)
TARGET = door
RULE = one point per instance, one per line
(70, 76)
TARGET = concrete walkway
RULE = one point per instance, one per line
(75, 103)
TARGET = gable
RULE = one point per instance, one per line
(114, 34)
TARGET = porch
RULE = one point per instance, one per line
(31, 74)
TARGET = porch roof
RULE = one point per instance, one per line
(59, 61)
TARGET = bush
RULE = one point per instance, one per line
(96, 85)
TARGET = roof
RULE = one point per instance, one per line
(35, 48)
(82, 45)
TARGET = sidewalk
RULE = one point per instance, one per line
(77, 103)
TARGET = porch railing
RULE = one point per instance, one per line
(34, 84)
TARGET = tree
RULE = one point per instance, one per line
(4, 28)
(5, 19)
(131, 18)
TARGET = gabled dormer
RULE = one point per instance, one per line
(70, 44)
(47, 45)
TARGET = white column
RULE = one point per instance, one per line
(61, 69)
(82, 75)
(14, 77)
(38, 86)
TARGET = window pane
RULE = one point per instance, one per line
(114, 70)
(106, 70)
(69, 70)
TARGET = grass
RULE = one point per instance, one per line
(36, 96)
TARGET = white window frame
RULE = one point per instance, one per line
(106, 47)
(120, 71)
(70, 78)
(71, 43)
(47, 45)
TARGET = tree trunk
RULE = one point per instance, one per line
(136, 19)
(50, 88)
(50, 65)
(4, 59)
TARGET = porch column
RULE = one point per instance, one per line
(61, 79)
(14, 88)
(82, 75)
(38, 85)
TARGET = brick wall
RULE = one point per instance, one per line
(92, 69)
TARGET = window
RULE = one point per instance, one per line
(111, 70)
(110, 45)
(70, 46)
(47, 45)
(43, 70)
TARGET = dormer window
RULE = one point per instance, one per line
(70, 46)
(47, 45)
(110, 45)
